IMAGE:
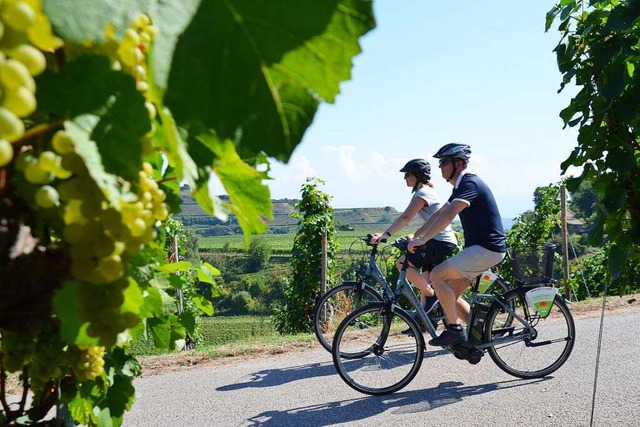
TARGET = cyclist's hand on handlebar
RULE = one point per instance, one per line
(378, 238)
(411, 247)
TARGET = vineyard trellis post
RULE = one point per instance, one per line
(565, 246)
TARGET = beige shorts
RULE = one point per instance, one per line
(472, 261)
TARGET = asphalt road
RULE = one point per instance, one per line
(304, 390)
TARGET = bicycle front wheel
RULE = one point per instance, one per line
(336, 304)
(536, 355)
(388, 359)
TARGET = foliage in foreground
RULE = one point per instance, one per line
(105, 108)
(599, 52)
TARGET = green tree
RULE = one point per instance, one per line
(316, 219)
(599, 53)
(259, 255)
(538, 226)
(583, 201)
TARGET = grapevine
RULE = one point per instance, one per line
(91, 235)
(101, 121)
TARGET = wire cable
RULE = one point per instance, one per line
(595, 380)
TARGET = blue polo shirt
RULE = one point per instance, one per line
(481, 221)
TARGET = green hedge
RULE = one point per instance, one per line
(224, 330)
(218, 331)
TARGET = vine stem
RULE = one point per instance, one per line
(25, 388)
(3, 378)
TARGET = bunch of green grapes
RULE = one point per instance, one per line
(24, 32)
(16, 350)
(89, 362)
(132, 51)
(100, 306)
(50, 359)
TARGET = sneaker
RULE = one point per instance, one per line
(449, 338)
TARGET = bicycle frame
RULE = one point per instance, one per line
(475, 296)
(404, 288)
(374, 272)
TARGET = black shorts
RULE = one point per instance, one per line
(431, 254)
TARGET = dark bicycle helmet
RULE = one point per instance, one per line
(461, 151)
(418, 166)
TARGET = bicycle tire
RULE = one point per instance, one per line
(534, 357)
(336, 304)
(389, 359)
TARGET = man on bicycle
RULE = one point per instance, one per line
(484, 237)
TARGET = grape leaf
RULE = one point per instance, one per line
(250, 198)
(74, 21)
(65, 306)
(119, 120)
(255, 71)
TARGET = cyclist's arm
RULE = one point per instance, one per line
(405, 217)
(438, 221)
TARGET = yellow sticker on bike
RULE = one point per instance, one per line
(541, 299)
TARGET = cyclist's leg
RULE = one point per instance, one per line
(453, 276)
(416, 278)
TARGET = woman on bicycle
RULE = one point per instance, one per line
(424, 202)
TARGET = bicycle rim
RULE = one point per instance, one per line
(381, 369)
(335, 305)
(537, 356)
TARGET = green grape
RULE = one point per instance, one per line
(47, 197)
(11, 127)
(159, 196)
(141, 21)
(62, 173)
(16, 350)
(23, 160)
(161, 212)
(110, 268)
(142, 86)
(62, 142)
(89, 363)
(72, 213)
(75, 233)
(6, 152)
(19, 16)
(49, 161)
(137, 227)
(31, 57)
(71, 189)
(131, 38)
(91, 208)
(104, 246)
(13, 74)
(36, 175)
(127, 56)
(21, 101)
(1, 29)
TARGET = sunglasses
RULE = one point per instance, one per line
(407, 175)
(444, 162)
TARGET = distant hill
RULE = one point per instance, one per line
(193, 215)
(358, 218)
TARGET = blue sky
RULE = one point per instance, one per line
(478, 72)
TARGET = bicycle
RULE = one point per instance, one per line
(335, 304)
(525, 339)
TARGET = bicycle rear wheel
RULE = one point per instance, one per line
(387, 359)
(532, 356)
(336, 304)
